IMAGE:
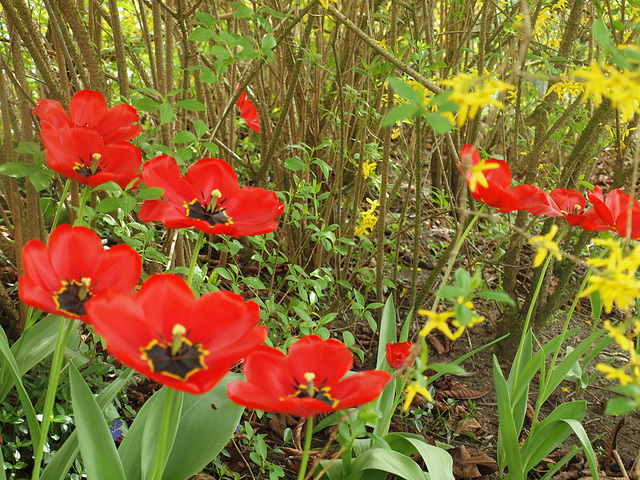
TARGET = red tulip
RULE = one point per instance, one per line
(248, 112)
(398, 353)
(80, 153)
(167, 334)
(208, 198)
(89, 109)
(535, 200)
(306, 382)
(63, 277)
(495, 173)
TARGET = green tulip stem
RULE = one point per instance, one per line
(58, 356)
(84, 198)
(194, 258)
(307, 448)
(160, 457)
(56, 217)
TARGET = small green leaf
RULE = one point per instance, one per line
(41, 179)
(184, 137)
(620, 406)
(17, 170)
(30, 148)
(255, 283)
(109, 204)
(445, 368)
(241, 10)
(497, 296)
(192, 105)
(145, 104)
(439, 123)
(150, 193)
(200, 34)
(401, 112)
(294, 164)
(404, 90)
(268, 42)
(166, 113)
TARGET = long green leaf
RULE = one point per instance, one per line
(9, 364)
(32, 347)
(439, 463)
(212, 427)
(58, 467)
(506, 425)
(377, 458)
(387, 333)
(154, 423)
(560, 371)
(578, 429)
(551, 432)
(99, 453)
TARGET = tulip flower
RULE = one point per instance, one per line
(398, 354)
(88, 109)
(248, 112)
(80, 153)
(489, 180)
(63, 277)
(208, 198)
(306, 382)
(168, 335)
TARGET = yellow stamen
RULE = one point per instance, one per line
(177, 333)
(309, 377)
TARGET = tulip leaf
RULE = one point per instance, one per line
(9, 363)
(99, 453)
(212, 427)
(211, 418)
(168, 401)
(378, 458)
(58, 467)
(387, 333)
(439, 463)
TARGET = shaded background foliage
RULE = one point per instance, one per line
(317, 77)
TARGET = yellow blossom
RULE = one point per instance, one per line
(566, 86)
(545, 245)
(619, 87)
(615, 373)
(368, 168)
(477, 175)
(368, 219)
(412, 390)
(617, 281)
(472, 92)
(614, 332)
(438, 321)
(325, 3)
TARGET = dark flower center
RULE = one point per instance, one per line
(71, 298)
(179, 358)
(87, 168)
(309, 390)
(213, 212)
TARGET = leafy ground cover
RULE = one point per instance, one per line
(319, 239)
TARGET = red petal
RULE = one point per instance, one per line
(249, 112)
(86, 108)
(164, 172)
(496, 197)
(51, 114)
(500, 175)
(568, 200)
(328, 359)
(601, 209)
(211, 174)
(115, 125)
(75, 252)
(535, 200)
(360, 388)
(622, 223)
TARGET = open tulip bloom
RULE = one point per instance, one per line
(168, 335)
(80, 153)
(208, 198)
(489, 180)
(306, 382)
(63, 277)
(88, 109)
